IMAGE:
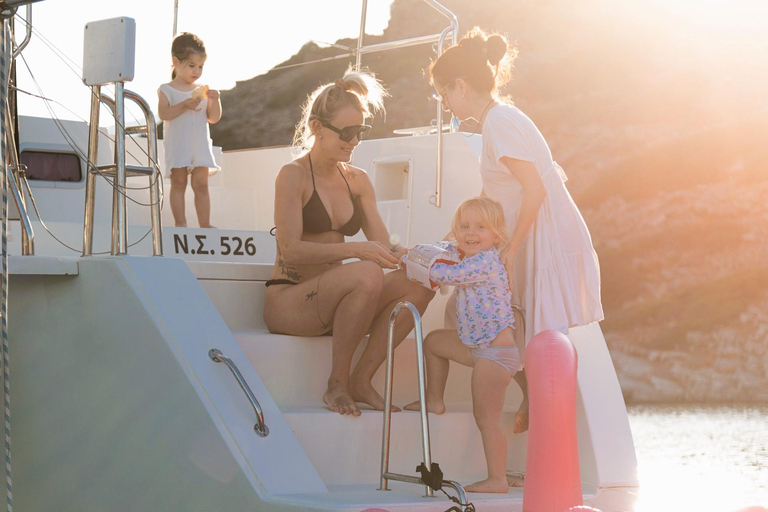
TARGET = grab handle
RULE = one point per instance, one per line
(260, 427)
(385, 474)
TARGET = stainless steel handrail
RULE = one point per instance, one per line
(16, 176)
(385, 474)
(119, 224)
(361, 36)
(459, 490)
(440, 39)
(154, 189)
(454, 29)
(403, 43)
(28, 35)
(260, 427)
(90, 178)
(119, 201)
(27, 234)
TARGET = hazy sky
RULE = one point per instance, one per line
(243, 39)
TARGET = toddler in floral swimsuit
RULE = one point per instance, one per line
(483, 303)
(484, 339)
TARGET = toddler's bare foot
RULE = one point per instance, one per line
(181, 224)
(209, 226)
(366, 394)
(514, 481)
(339, 400)
(435, 407)
(488, 485)
(521, 421)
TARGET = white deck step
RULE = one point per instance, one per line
(347, 450)
(356, 458)
(295, 369)
(403, 497)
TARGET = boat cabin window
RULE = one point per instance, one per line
(50, 166)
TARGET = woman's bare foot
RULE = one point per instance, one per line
(339, 400)
(366, 394)
(488, 485)
(435, 407)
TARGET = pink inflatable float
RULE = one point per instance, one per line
(552, 480)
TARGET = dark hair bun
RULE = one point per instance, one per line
(496, 48)
(474, 42)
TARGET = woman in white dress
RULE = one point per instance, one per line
(553, 268)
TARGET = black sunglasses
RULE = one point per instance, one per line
(350, 132)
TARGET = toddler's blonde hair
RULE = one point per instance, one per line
(491, 212)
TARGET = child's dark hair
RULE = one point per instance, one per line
(184, 45)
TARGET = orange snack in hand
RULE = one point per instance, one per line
(200, 92)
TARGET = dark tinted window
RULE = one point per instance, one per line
(52, 166)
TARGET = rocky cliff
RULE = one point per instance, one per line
(660, 123)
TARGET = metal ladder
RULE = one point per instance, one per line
(385, 474)
(119, 171)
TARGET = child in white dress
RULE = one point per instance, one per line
(186, 108)
(484, 339)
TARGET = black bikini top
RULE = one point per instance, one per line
(316, 218)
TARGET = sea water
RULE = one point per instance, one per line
(701, 458)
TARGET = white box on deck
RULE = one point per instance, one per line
(109, 51)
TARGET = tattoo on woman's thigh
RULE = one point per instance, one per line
(313, 296)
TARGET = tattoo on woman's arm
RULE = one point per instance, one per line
(285, 269)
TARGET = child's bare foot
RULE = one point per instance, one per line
(435, 407)
(339, 400)
(488, 485)
(181, 224)
(366, 394)
(514, 481)
(209, 226)
(521, 421)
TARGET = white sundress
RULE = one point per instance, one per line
(187, 138)
(556, 275)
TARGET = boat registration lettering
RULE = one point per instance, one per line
(227, 245)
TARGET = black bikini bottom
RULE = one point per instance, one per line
(278, 281)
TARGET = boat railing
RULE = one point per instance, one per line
(16, 176)
(260, 427)
(453, 30)
(386, 475)
(119, 170)
(15, 173)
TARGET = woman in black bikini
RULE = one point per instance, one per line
(320, 199)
